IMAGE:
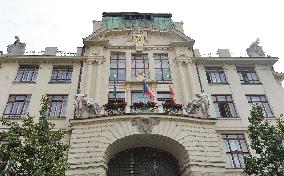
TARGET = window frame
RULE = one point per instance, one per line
(110, 99)
(61, 68)
(27, 69)
(24, 107)
(229, 151)
(63, 105)
(243, 70)
(146, 98)
(144, 57)
(261, 103)
(215, 72)
(163, 99)
(117, 68)
(159, 57)
(217, 103)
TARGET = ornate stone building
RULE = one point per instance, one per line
(195, 124)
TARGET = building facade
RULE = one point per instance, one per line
(197, 121)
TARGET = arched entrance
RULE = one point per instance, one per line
(143, 161)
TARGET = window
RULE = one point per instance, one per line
(215, 75)
(117, 68)
(224, 106)
(138, 96)
(61, 74)
(162, 68)
(27, 73)
(139, 64)
(57, 105)
(163, 96)
(236, 148)
(120, 97)
(261, 101)
(247, 75)
(17, 105)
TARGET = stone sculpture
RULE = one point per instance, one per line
(255, 50)
(85, 104)
(17, 48)
(199, 104)
(145, 125)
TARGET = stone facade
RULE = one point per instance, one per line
(194, 138)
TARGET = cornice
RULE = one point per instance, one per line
(39, 58)
(236, 60)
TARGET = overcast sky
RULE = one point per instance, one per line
(213, 24)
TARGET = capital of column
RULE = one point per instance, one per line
(90, 61)
(100, 60)
(181, 61)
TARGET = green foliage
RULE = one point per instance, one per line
(33, 148)
(267, 141)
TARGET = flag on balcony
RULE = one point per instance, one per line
(172, 93)
(147, 91)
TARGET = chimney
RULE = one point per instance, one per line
(79, 51)
(50, 51)
(224, 53)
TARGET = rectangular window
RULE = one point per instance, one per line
(61, 74)
(139, 65)
(117, 67)
(215, 75)
(236, 148)
(138, 96)
(224, 106)
(17, 105)
(27, 73)
(120, 97)
(162, 68)
(261, 101)
(163, 96)
(57, 105)
(247, 75)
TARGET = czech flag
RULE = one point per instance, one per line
(172, 93)
(147, 91)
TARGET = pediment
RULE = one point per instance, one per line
(128, 37)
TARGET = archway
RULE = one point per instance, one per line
(158, 142)
(143, 161)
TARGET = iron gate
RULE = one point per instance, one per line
(143, 161)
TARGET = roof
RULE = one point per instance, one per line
(122, 14)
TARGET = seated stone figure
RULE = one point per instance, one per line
(17, 48)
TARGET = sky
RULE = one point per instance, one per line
(213, 24)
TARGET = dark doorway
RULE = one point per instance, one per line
(143, 161)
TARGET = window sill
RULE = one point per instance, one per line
(56, 118)
(218, 84)
(228, 118)
(24, 82)
(59, 82)
(251, 83)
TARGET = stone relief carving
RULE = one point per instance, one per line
(182, 52)
(255, 50)
(85, 105)
(198, 105)
(98, 51)
(145, 125)
(17, 48)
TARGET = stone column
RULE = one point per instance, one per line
(90, 63)
(151, 66)
(190, 79)
(128, 65)
(182, 82)
(99, 82)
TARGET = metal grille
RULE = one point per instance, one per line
(143, 162)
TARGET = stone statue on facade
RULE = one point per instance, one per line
(199, 104)
(84, 104)
(255, 50)
(17, 48)
(145, 125)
